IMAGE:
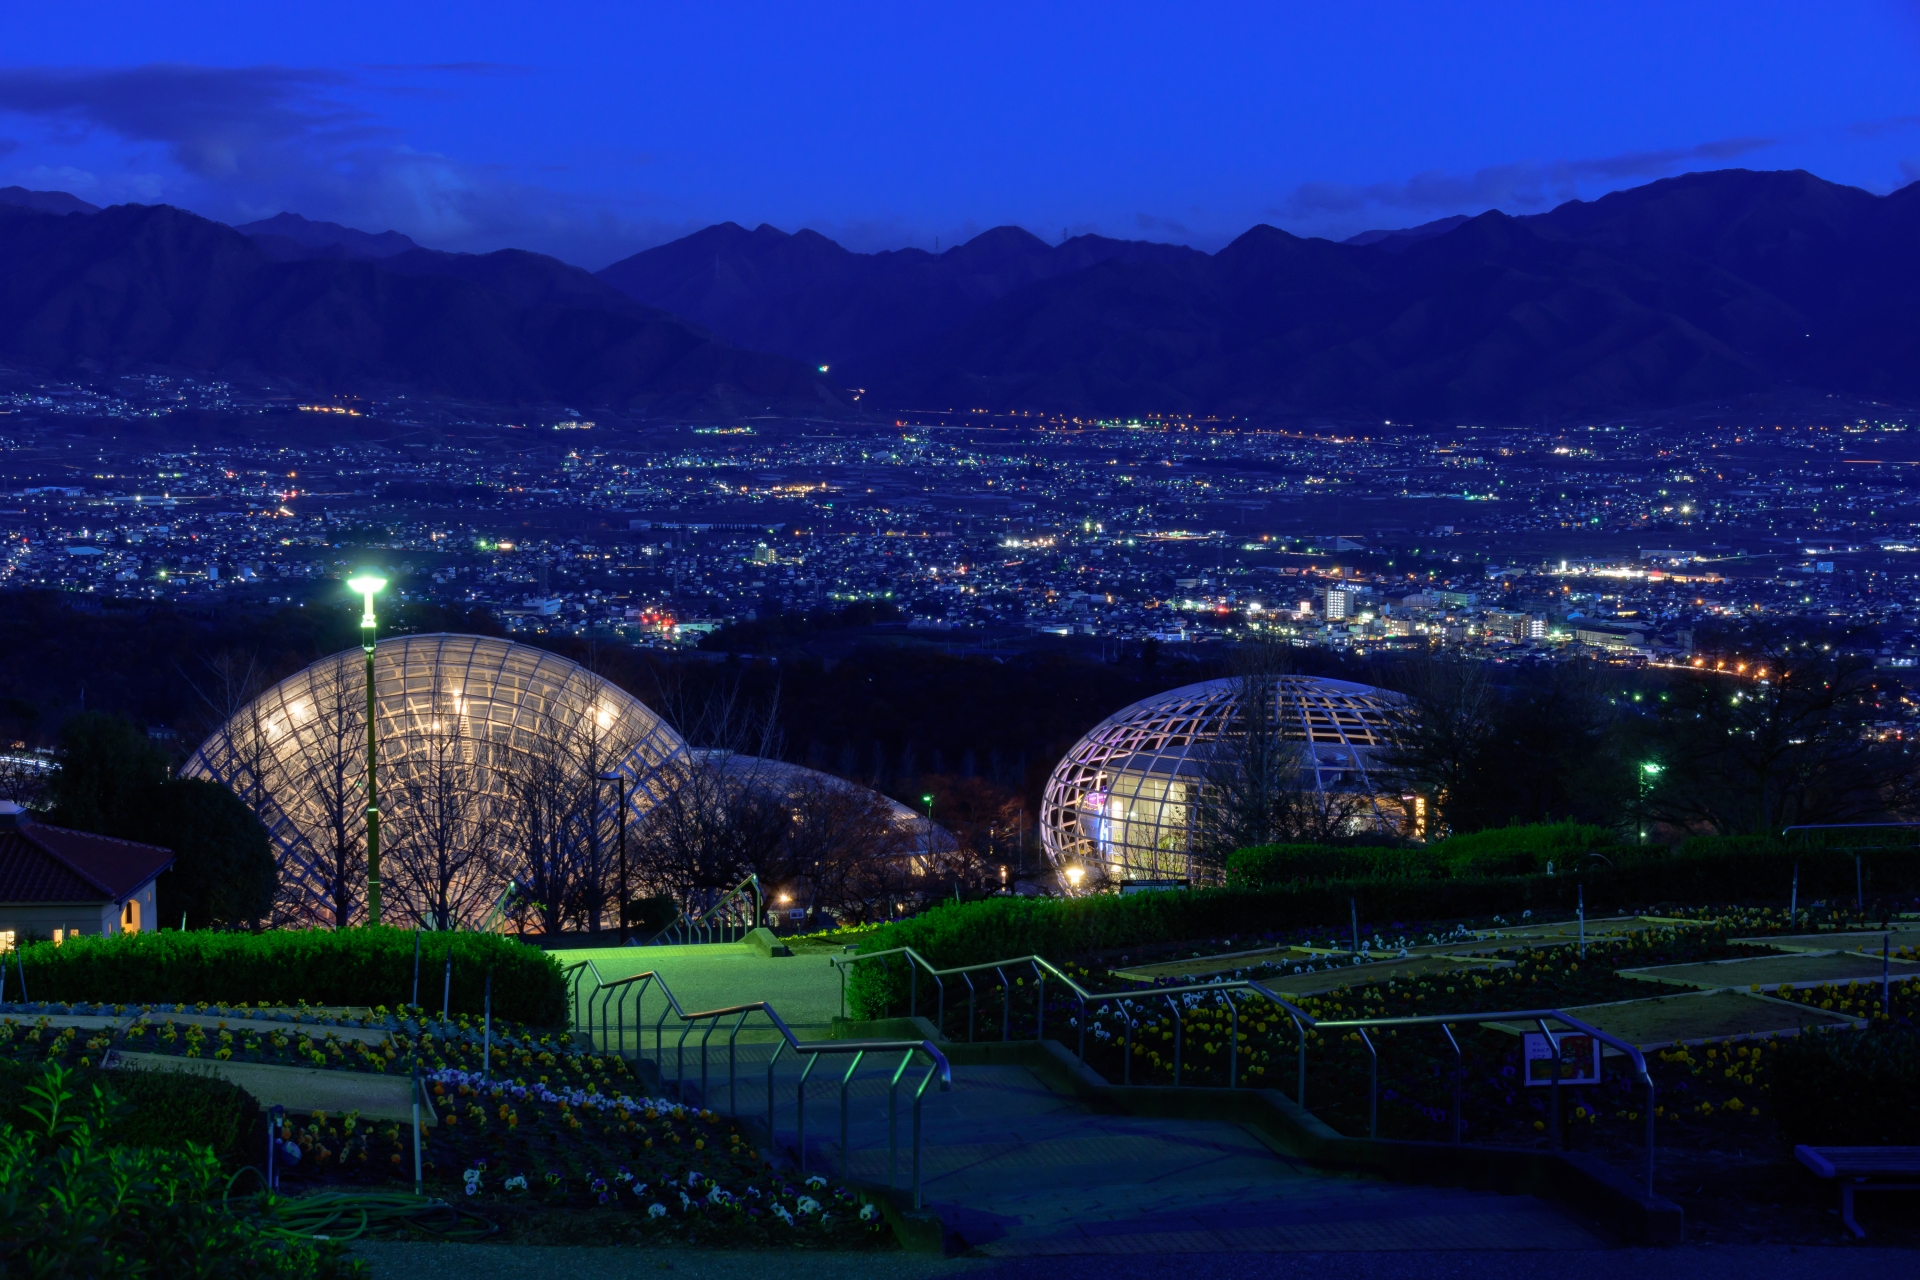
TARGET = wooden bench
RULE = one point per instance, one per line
(1862, 1169)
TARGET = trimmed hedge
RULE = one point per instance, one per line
(327, 967)
(1504, 851)
(1061, 928)
(1849, 1088)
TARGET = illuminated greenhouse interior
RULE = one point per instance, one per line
(1122, 805)
(491, 756)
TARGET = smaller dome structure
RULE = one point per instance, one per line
(1125, 800)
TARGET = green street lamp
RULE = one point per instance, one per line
(366, 585)
(1650, 772)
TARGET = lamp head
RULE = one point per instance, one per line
(366, 584)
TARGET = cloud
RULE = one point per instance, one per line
(1525, 185)
(1874, 128)
(1149, 222)
(250, 142)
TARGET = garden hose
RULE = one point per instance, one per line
(348, 1215)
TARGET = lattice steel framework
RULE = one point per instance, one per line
(1123, 802)
(470, 727)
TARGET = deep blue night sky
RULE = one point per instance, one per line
(592, 130)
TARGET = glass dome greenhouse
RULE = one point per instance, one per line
(1123, 804)
(491, 756)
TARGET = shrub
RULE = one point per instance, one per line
(223, 870)
(326, 967)
(1521, 850)
(158, 1108)
(1277, 864)
(71, 1205)
(1059, 928)
(1849, 1088)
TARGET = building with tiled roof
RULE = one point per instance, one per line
(56, 883)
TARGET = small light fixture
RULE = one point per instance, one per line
(367, 584)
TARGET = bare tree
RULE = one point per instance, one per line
(1252, 771)
(1441, 732)
(440, 854)
(329, 763)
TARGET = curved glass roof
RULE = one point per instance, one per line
(1124, 799)
(489, 754)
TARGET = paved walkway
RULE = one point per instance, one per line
(805, 989)
(1014, 1169)
(395, 1261)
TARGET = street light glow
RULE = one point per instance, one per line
(366, 584)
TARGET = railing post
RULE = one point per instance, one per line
(1006, 1005)
(1083, 1025)
(1300, 1086)
(1179, 1035)
(1459, 1073)
(1233, 1045)
(893, 1116)
(733, 1101)
(971, 1003)
(773, 1059)
(1373, 1085)
(1040, 1012)
(917, 1095)
(1126, 1063)
(800, 1108)
(846, 1154)
(1553, 1046)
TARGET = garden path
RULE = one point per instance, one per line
(804, 988)
(1015, 1169)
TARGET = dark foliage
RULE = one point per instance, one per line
(154, 1108)
(223, 872)
(1849, 1089)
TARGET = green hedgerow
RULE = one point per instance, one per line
(328, 967)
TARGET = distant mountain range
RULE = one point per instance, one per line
(1694, 289)
(317, 307)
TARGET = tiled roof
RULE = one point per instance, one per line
(39, 863)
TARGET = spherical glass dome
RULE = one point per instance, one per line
(491, 756)
(1124, 802)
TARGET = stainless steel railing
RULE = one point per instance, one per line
(1226, 992)
(605, 1005)
(729, 919)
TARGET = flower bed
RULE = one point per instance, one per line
(312, 1038)
(553, 1127)
(672, 1171)
(1705, 1093)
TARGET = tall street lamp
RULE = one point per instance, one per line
(928, 801)
(366, 585)
(622, 782)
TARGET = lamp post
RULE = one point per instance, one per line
(1649, 777)
(928, 801)
(365, 586)
(621, 782)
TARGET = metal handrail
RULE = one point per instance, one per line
(1302, 1021)
(702, 928)
(1042, 967)
(1447, 1021)
(609, 997)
